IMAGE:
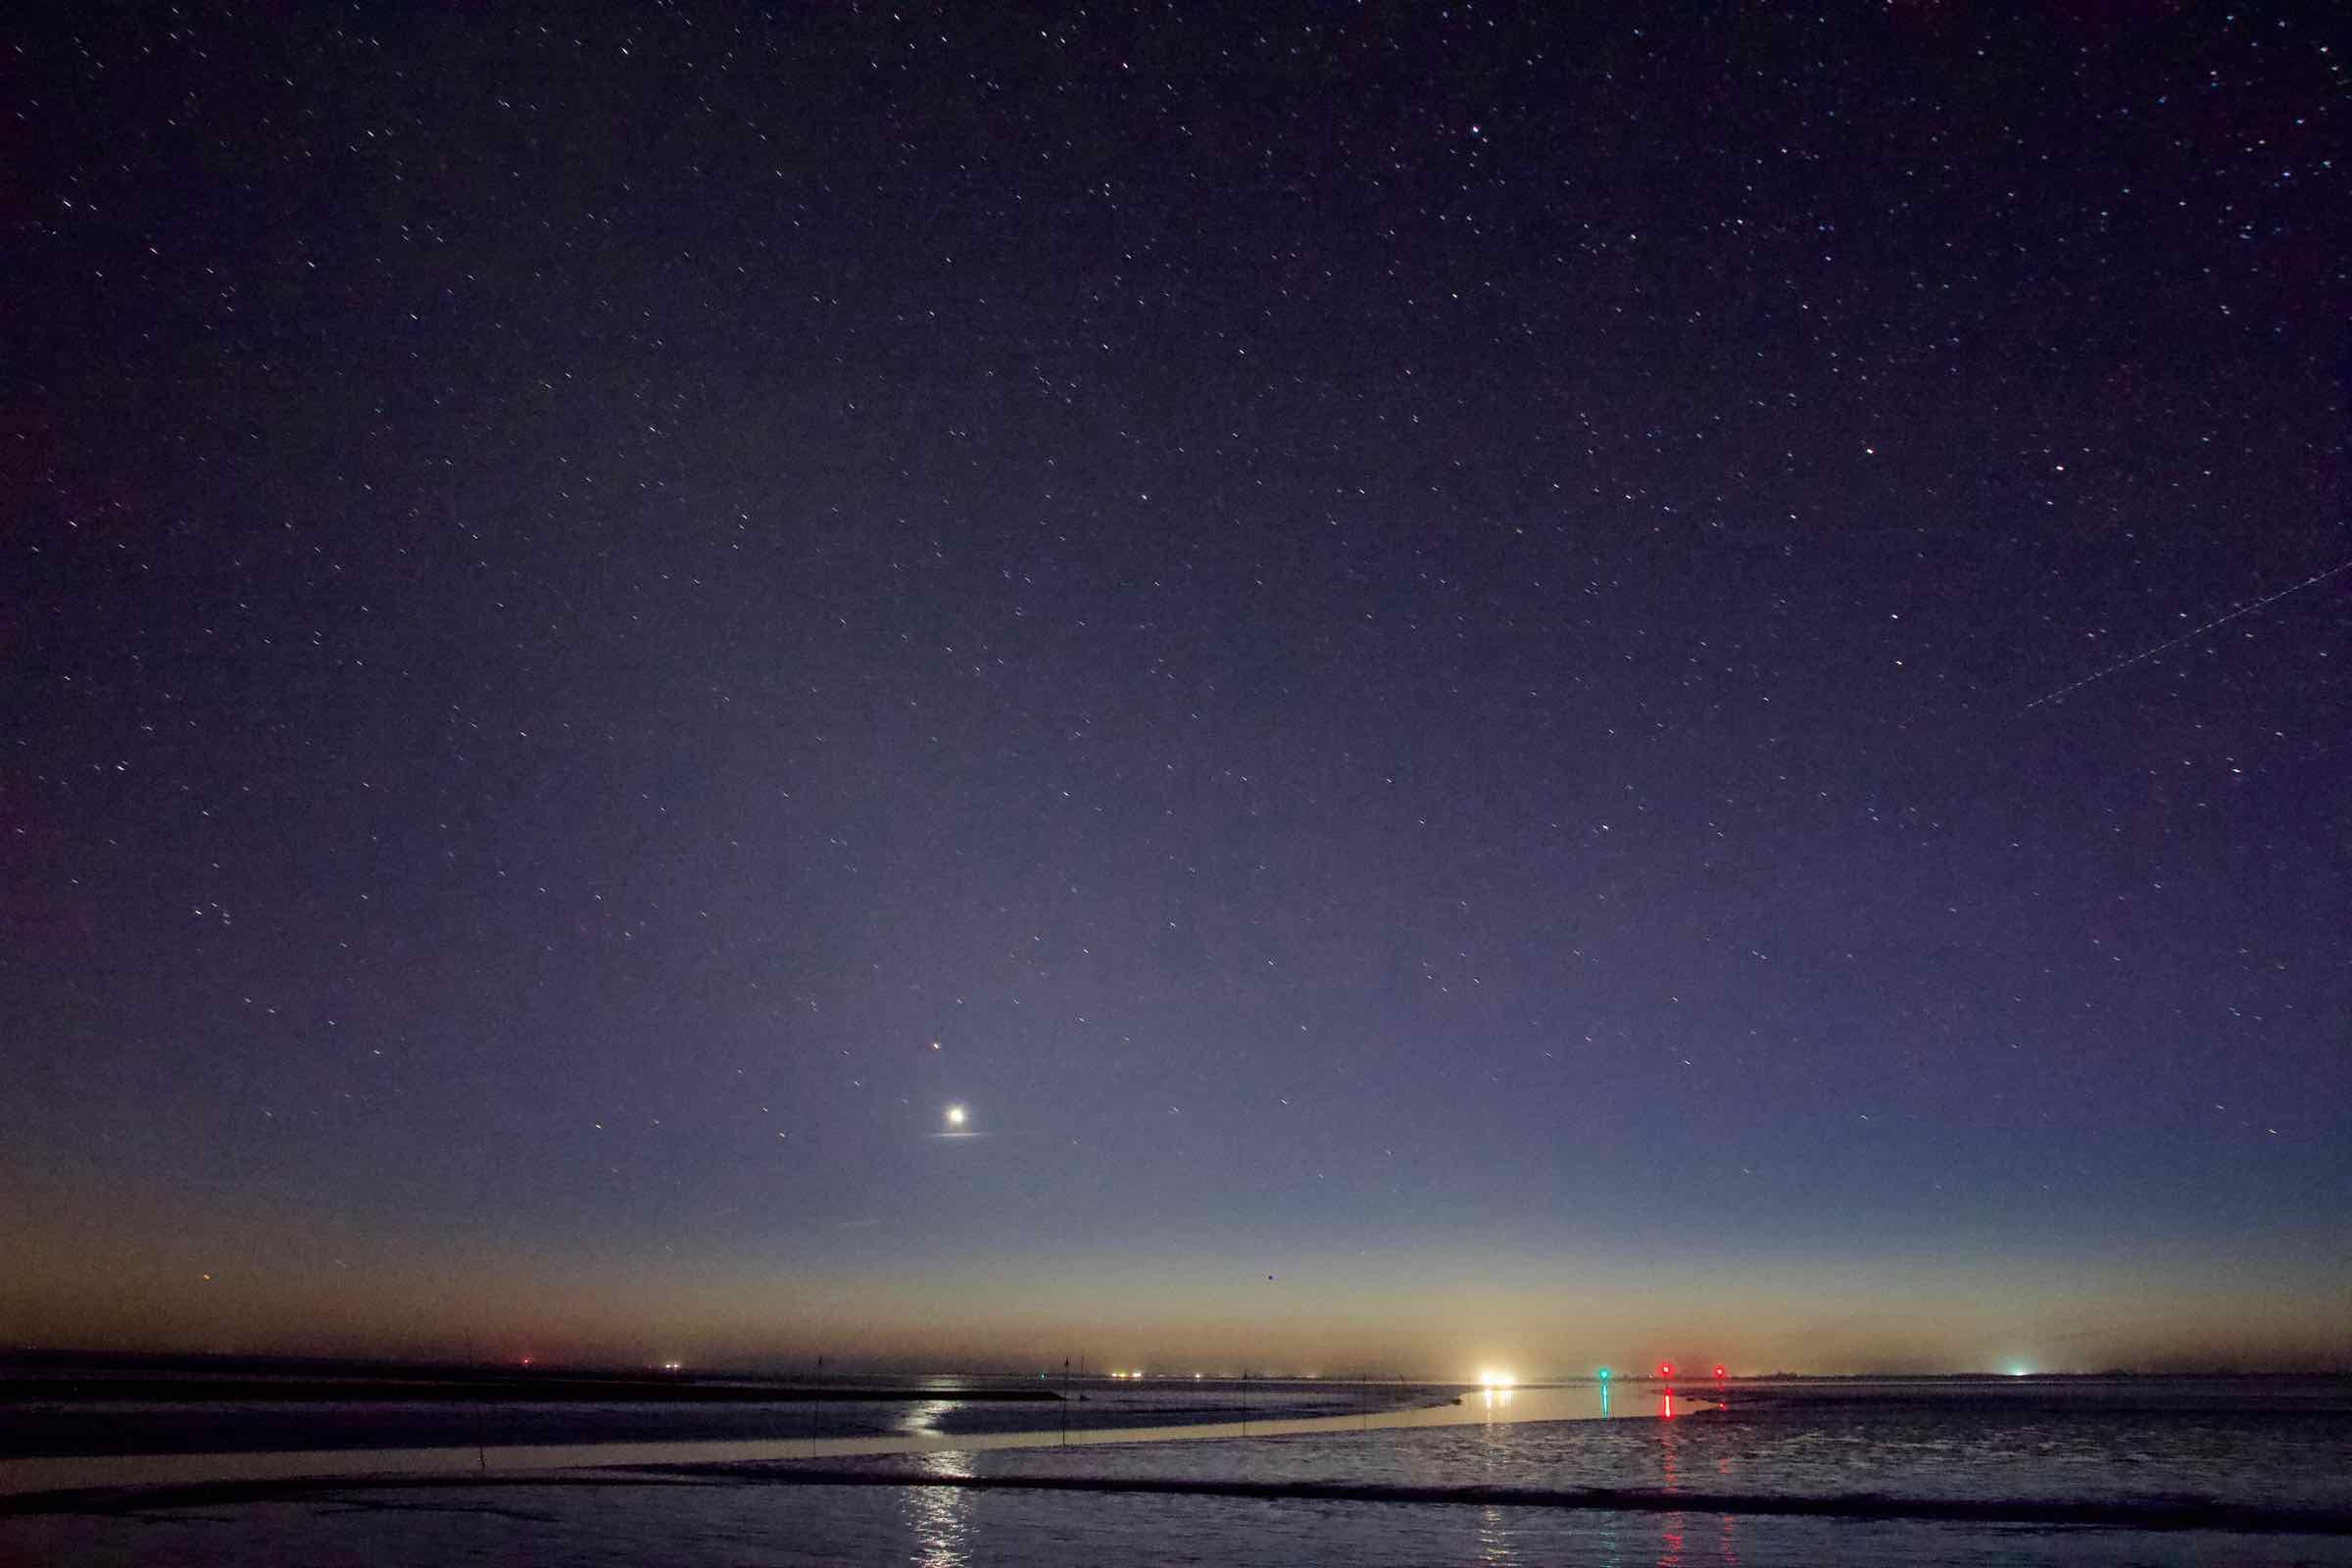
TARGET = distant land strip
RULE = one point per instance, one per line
(531, 1390)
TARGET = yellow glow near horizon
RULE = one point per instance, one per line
(1496, 1380)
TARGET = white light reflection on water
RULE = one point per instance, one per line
(942, 1516)
(1495, 1537)
(921, 1420)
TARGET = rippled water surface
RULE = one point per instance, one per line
(2121, 1473)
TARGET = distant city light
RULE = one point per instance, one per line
(1495, 1380)
(955, 1115)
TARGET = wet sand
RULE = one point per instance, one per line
(43, 1484)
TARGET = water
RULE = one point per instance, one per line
(2175, 1471)
(157, 1425)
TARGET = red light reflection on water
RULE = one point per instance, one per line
(1670, 1525)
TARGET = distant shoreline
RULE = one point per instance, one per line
(487, 1388)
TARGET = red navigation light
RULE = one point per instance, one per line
(1666, 1369)
(1719, 1371)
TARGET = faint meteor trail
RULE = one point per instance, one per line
(2146, 654)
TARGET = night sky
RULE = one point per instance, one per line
(1559, 689)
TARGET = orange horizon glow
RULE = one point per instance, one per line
(1436, 1318)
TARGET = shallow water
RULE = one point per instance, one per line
(1744, 1485)
(116, 1426)
(702, 1524)
(841, 1429)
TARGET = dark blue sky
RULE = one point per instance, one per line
(1488, 665)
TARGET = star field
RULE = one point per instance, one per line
(1479, 685)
